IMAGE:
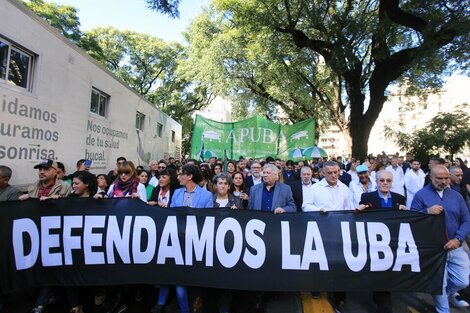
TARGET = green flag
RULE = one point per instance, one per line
(255, 137)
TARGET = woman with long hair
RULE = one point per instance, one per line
(231, 167)
(167, 184)
(238, 189)
(216, 169)
(162, 196)
(103, 183)
(127, 183)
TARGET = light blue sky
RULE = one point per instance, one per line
(134, 15)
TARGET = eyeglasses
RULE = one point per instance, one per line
(124, 172)
(382, 180)
(162, 167)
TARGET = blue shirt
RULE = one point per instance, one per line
(385, 203)
(456, 213)
(267, 199)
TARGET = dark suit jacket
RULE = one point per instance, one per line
(282, 198)
(249, 182)
(297, 193)
(374, 199)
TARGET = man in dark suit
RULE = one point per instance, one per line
(271, 195)
(302, 189)
(383, 198)
(255, 177)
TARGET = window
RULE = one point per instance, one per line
(173, 136)
(139, 121)
(99, 102)
(159, 130)
(16, 64)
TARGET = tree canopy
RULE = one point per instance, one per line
(170, 7)
(64, 18)
(445, 134)
(332, 60)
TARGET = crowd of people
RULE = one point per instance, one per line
(268, 185)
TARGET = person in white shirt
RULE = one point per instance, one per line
(414, 181)
(329, 194)
(398, 185)
(365, 184)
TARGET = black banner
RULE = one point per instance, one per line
(124, 241)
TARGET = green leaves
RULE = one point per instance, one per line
(445, 134)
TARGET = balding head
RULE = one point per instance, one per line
(440, 178)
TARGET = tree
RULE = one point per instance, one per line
(64, 18)
(170, 7)
(150, 66)
(445, 134)
(329, 57)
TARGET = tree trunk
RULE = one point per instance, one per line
(360, 137)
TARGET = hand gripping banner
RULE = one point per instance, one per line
(82, 242)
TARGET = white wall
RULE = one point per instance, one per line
(63, 80)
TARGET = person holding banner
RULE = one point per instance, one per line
(127, 183)
(271, 195)
(193, 196)
(329, 194)
(223, 197)
(436, 198)
(48, 186)
(382, 198)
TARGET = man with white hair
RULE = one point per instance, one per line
(398, 176)
(302, 189)
(271, 195)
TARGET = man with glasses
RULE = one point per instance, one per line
(191, 194)
(255, 177)
(383, 198)
(434, 199)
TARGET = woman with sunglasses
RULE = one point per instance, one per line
(127, 183)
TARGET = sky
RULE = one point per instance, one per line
(134, 15)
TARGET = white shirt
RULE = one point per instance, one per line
(398, 184)
(358, 189)
(329, 198)
(307, 194)
(413, 182)
(257, 181)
